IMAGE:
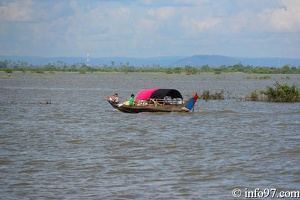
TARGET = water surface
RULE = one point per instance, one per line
(60, 139)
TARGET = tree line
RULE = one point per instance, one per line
(60, 66)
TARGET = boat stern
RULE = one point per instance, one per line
(191, 103)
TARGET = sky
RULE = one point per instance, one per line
(150, 28)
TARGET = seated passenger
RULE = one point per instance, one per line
(131, 100)
(115, 100)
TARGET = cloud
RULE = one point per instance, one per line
(284, 19)
(176, 3)
(16, 11)
(278, 16)
(162, 13)
(196, 26)
(149, 27)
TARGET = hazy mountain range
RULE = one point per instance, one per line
(169, 61)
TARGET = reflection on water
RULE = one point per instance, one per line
(78, 147)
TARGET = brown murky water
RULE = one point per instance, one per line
(78, 147)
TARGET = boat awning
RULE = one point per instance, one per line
(157, 93)
(145, 94)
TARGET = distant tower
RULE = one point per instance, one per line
(88, 58)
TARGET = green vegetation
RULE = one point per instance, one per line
(254, 96)
(216, 95)
(82, 68)
(7, 70)
(281, 93)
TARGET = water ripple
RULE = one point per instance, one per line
(80, 148)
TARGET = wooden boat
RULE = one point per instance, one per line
(157, 100)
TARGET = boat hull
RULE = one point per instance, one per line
(114, 105)
(152, 108)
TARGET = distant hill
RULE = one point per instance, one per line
(217, 61)
(270, 62)
(168, 61)
(211, 60)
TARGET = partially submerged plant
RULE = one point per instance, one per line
(206, 95)
(254, 96)
(282, 93)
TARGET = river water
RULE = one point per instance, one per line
(60, 139)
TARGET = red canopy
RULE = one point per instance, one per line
(145, 94)
(157, 93)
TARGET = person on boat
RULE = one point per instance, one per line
(131, 100)
(115, 100)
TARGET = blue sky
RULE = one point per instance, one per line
(149, 28)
